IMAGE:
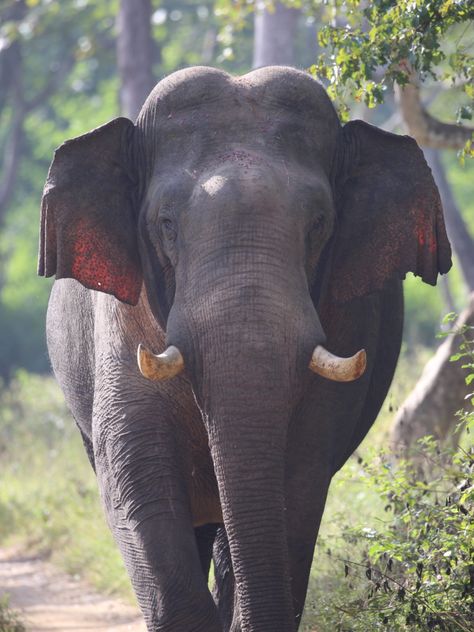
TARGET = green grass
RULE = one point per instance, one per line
(49, 500)
(48, 492)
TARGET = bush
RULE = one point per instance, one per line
(415, 568)
(9, 620)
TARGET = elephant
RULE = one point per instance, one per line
(225, 324)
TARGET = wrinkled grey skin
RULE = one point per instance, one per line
(260, 232)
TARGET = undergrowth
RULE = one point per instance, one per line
(412, 568)
(9, 619)
(48, 493)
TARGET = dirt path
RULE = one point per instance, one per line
(49, 600)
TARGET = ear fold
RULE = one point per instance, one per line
(390, 218)
(88, 223)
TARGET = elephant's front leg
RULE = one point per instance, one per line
(140, 469)
(308, 478)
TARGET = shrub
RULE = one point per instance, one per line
(419, 569)
(9, 620)
(415, 568)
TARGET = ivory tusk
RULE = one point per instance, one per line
(159, 367)
(335, 368)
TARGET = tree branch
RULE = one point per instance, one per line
(440, 392)
(427, 130)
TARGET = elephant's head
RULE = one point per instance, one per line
(244, 206)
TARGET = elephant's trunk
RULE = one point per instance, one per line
(247, 422)
(248, 359)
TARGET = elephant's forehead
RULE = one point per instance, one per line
(191, 87)
(262, 106)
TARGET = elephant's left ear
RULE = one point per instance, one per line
(390, 218)
(88, 215)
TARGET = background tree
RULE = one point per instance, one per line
(441, 391)
(275, 36)
(134, 55)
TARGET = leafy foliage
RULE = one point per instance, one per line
(415, 568)
(367, 46)
(421, 570)
(375, 44)
(465, 354)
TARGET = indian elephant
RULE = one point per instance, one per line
(240, 227)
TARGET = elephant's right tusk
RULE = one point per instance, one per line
(159, 367)
(335, 368)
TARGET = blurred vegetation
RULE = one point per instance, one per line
(9, 619)
(48, 492)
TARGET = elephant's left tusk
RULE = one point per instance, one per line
(335, 368)
(159, 367)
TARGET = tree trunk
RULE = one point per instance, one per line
(274, 41)
(445, 289)
(459, 236)
(431, 406)
(11, 76)
(440, 392)
(134, 55)
(12, 153)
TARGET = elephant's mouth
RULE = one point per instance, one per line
(171, 362)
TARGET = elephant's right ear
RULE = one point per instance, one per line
(390, 218)
(88, 219)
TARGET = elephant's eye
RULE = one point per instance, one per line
(168, 230)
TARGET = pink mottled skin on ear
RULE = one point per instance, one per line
(97, 270)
